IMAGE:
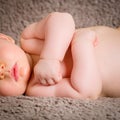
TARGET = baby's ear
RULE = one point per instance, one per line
(3, 36)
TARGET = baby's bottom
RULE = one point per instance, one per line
(62, 89)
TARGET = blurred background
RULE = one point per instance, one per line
(15, 15)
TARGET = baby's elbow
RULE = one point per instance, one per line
(61, 14)
(64, 18)
(90, 93)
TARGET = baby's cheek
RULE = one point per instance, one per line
(8, 88)
(4, 88)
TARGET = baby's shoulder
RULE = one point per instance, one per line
(103, 30)
(98, 28)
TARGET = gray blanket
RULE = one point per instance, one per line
(15, 15)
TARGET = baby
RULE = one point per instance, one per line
(81, 63)
(66, 62)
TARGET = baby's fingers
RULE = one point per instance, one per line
(44, 82)
(47, 82)
(58, 78)
(51, 82)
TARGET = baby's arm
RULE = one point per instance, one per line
(85, 76)
(57, 30)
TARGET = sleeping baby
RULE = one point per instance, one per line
(65, 62)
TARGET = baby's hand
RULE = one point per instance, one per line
(48, 71)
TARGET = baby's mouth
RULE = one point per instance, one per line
(14, 72)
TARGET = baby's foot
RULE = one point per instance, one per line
(48, 72)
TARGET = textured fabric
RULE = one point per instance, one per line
(15, 15)
(32, 108)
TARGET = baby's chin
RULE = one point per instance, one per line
(12, 91)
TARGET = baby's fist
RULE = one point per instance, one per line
(48, 72)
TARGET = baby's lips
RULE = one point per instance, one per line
(14, 72)
(5, 37)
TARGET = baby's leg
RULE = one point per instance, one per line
(85, 77)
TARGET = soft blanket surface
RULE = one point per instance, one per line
(15, 15)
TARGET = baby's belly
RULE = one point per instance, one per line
(108, 58)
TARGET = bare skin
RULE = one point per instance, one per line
(72, 66)
(15, 67)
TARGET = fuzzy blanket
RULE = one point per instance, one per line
(15, 15)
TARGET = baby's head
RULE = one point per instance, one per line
(14, 68)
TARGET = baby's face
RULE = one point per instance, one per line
(14, 68)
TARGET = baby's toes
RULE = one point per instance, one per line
(51, 82)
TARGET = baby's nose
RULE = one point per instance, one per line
(2, 76)
(2, 71)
